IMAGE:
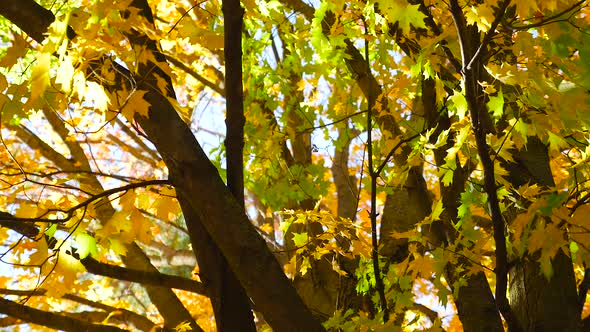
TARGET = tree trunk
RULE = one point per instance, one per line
(540, 304)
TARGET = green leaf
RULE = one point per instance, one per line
(556, 142)
(300, 239)
(266, 7)
(403, 13)
(51, 230)
(496, 105)
(574, 247)
(318, 39)
(437, 209)
(86, 245)
(553, 200)
(459, 103)
(446, 172)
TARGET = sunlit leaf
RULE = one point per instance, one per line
(86, 245)
(300, 239)
(40, 75)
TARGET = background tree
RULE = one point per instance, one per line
(408, 165)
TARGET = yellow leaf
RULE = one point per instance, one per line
(528, 191)
(482, 16)
(135, 103)
(212, 40)
(580, 217)
(65, 74)
(39, 257)
(209, 39)
(95, 94)
(360, 248)
(290, 268)
(336, 268)
(267, 228)
(26, 210)
(141, 226)
(40, 75)
(487, 88)
(301, 85)
(526, 9)
(17, 50)
(118, 223)
(166, 205)
(305, 265)
(68, 267)
(162, 84)
(117, 247)
(79, 84)
(549, 239)
(127, 201)
(183, 327)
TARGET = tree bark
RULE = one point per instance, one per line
(230, 303)
(541, 305)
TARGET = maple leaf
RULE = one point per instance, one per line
(300, 239)
(183, 327)
(40, 75)
(403, 13)
(482, 16)
(459, 103)
(136, 103)
(95, 94)
(17, 50)
(41, 254)
(86, 245)
(496, 105)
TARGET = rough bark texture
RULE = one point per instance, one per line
(230, 304)
(404, 207)
(541, 304)
(346, 184)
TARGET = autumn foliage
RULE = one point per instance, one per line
(284, 165)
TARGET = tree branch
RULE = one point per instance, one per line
(137, 139)
(49, 319)
(76, 150)
(488, 36)
(471, 76)
(546, 20)
(8, 219)
(121, 314)
(142, 277)
(196, 75)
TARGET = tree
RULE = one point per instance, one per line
(386, 165)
